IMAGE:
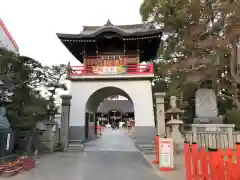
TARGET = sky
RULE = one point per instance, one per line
(34, 24)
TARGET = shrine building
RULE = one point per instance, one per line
(113, 60)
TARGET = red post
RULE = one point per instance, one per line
(214, 159)
(230, 167)
(221, 163)
(238, 159)
(156, 161)
(195, 156)
(204, 163)
(151, 68)
(187, 155)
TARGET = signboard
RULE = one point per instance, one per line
(166, 154)
(8, 141)
(109, 70)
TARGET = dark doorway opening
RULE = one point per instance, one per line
(86, 124)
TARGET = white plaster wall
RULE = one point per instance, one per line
(139, 91)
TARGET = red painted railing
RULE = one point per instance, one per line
(212, 164)
(112, 70)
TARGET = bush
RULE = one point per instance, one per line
(233, 117)
(58, 147)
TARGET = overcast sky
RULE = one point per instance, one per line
(34, 23)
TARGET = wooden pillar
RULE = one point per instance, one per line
(98, 63)
(124, 54)
(84, 53)
(138, 58)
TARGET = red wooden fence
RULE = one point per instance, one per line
(212, 164)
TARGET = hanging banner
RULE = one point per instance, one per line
(166, 154)
(110, 70)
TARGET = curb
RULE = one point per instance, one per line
(153, 166)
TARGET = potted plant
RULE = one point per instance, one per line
(11, 169)
(2, 167)
(26, 162)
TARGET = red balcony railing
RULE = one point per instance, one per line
(137, 69)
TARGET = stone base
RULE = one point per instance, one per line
(206, 120)
(77, 134)
(145, 135)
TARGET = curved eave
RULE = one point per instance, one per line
(122, 33)
(70, 40)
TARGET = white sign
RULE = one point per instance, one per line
(166, 154)
(8, 141)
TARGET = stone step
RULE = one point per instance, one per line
(75, 148)
(146, 146)
(149, 152)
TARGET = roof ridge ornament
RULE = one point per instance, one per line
(108, 23)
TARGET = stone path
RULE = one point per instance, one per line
(111, 140)
(113, 156)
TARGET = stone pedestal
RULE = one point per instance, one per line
(48, 136)
(160, 114)
(178, 140)
(66, 103)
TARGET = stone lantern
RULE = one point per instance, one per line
(173, 125)
(7, 134)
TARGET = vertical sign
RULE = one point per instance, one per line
(166, 154)
(8, 141)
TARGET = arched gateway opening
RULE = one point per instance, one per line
(100, 110)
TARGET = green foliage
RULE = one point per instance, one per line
(59, 147)
(54, 80)
(24, 79)
(232, 117)
(199, 43)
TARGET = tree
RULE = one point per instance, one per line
(20, 76)
(202, 40)
(54, 80)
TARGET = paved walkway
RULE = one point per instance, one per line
(111, 140)
(113, 156)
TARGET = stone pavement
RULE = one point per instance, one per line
(113, 156)
(179, 163)
(177, 173)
